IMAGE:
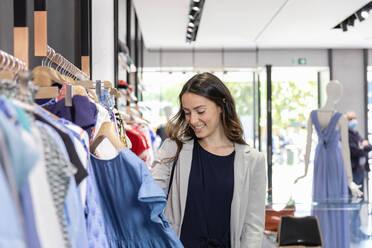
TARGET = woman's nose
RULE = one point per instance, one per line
(193, 118)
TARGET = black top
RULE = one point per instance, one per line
(356, 152)
(206, 222)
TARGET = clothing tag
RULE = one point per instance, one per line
(68, 95)
(98, 88)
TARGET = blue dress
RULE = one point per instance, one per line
(132, 204)
(330, 181)
(330, 185)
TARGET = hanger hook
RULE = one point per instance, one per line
(2, 59)
(51, 57)
(58, 62)
(18, 64)
(6, 67)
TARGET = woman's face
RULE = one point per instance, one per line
(202, 114)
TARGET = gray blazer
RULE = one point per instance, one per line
(248, 204)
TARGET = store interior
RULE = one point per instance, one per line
(106, 75)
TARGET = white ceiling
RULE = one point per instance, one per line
(254, 23)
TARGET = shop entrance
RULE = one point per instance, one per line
(295, 91)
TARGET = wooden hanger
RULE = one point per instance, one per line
(93, 95)
(47, 92)
(46, 76)
(7, 63)
(107, 130)
(107, 84)
(8, 75)
(89, 85)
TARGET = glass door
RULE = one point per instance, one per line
(294, 95)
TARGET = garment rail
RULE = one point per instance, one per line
(63, 64)
(11, 63)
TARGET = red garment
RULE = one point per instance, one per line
(139, 144)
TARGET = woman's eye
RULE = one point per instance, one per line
(201, 112)
(187, 113)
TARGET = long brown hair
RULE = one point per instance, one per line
(212, 88)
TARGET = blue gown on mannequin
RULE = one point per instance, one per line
(330, 181)
(330, 185)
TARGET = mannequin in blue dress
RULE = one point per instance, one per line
(332, 170)
(323, 117)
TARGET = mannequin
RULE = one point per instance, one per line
(324, 114)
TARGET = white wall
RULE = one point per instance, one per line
(348, 69)
(103, 40)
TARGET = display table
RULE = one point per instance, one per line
(343, 223)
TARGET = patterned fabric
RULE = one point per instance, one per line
(106, 99)
(22, 162)
(58, 172)
(11, 90)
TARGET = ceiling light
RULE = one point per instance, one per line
(194, 16)
(344, 26)
(364, 14)
(359, 15)
(350, 21)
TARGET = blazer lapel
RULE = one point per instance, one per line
(185, 168)
(239, 174)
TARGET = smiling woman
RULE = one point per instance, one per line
(216, 174)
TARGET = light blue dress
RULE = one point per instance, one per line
(330, 181)
(132, 203)
(330, 185)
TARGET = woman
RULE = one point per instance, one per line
(217, 193)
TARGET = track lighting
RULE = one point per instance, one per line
(359, 15)
(194, 16)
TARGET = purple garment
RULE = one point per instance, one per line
(83, 112)
(330, 182)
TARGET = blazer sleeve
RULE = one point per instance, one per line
(161, 167)
(254, 222)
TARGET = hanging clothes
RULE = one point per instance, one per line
(133, 205)
(11, 234)
(83, 112)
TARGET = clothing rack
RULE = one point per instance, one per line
(11, 63)
(63, 65)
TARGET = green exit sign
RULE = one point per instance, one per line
(299, 61)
